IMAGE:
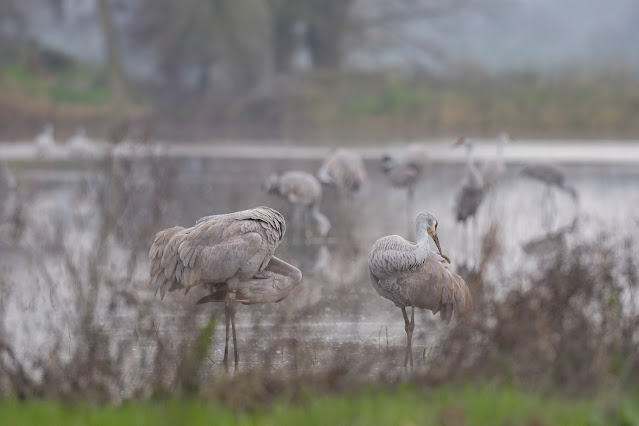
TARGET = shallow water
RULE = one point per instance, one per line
(334, 314)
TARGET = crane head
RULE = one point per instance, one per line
(271, 183)
(387, 161)
(427, 221)
(462, 141)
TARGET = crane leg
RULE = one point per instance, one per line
(226, 343)
(235, 351)
(409, 326)
(229, 313)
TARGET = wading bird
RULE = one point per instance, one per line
(304, 193)
(469, 196)
(8, 195)
(45, 141)
(493, 170)
(413, 275)
(404, 169)
(553, 176)
(344, 169)
(230, 254)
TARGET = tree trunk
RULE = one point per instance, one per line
(327, 24)
(113, 59)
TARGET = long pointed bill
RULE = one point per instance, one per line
(436, 239)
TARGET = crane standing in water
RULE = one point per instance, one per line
(232, 255)
(554, 177)
(304, 193)
(470, 194)
(413, 275)
(404, 169)
(344, 169)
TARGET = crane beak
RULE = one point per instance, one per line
(436, 239)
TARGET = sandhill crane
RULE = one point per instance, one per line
(7, 189)
(344, 169)
(472, 190)
(404, 169)
(553, 176)
(493, 170)
(413, 275)
(80, 145)
(232, 255)
(470, 194)
(10, 205)
(304, 192)
(45, 141)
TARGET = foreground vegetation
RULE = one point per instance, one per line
(450, 406)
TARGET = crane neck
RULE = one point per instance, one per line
(500, 146)
(470, 165)
(422, 237)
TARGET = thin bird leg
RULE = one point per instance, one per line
(236, 353)
(228, 322)
(409, 327)
(410, 335)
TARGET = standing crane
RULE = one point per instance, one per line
(554, 177)
(471, 192)
(232, 255)
(8, 193)
(45, 141)
(303, 192)
(493, 170)
(344, 169)
(404, 169)
(410, 274)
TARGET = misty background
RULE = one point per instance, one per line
(355, 69)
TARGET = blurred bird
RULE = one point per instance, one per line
(9, 201)
(230, 254)
(493, 170)
(410, 274)
(553, 176)
(344, 169)
(303, 192)
(469, 197)
(80, 145)
(472, 190)
(45, 141)
(404, 169)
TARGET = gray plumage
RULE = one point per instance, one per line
(303, 191)
(493, 170)
(411, 274)
(551, 175)
(472, 190)
(405, 167)
(230, 254)
(8, 194)
(344, 169)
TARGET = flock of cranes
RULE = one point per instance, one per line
(232, 255)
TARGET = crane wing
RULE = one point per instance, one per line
(215, 249)
(436, 287)
(394, 255)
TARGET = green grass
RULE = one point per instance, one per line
(406, 406)
(77, 85)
